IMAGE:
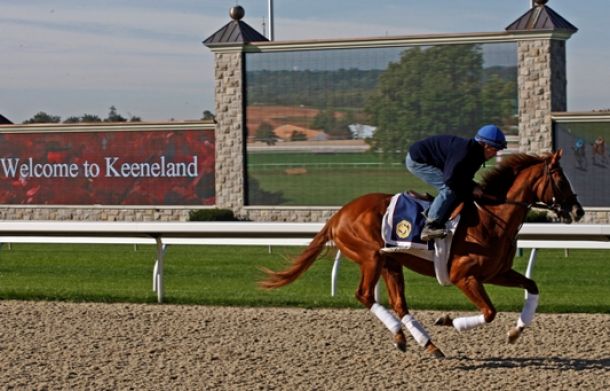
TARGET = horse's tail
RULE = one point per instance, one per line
(277, 279)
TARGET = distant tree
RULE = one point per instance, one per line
(72, 120)
(341, 129)
(90, 118)
(298, 136)
(265, 134)
(324, 120)
(429, 91)
(340, 132)
(43, 118)
(497, 101)
(85, 118)
(114, 116)
(208, 115)
(133, 118)
(260, 196)
(334, 123)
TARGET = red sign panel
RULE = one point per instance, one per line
(148, 167)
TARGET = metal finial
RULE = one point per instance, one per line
(540, 3)
(237, 12)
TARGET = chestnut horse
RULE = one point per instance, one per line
(482, 252)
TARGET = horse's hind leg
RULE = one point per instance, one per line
(394, 278)
(394, 281)
(370, 269)
(514, 279)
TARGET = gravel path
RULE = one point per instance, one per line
(67, 346)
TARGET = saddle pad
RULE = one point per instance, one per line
(403, 221)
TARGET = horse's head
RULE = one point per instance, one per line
(555, 191)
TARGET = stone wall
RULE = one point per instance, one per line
(94, 214)
(292, 214)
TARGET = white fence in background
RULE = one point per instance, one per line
(163, 234)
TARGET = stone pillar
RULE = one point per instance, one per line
(230, 141)
(541, 35)
(542, 90)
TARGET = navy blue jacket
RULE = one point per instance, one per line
(458, 158)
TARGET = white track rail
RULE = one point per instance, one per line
(163, 234)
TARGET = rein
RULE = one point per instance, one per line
(528, 205)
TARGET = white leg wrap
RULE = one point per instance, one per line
(529, 310)
(416, 329)
(468, 322)
(386, 317)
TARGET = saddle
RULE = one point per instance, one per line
(419, 196)
(401, 228)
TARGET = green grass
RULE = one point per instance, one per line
(337, 186)
(332, 179)
(215, 275)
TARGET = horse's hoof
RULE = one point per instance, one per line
(434, 351)
(444, 320)
(400, 342)
(514, 334)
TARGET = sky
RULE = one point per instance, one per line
(146, 57)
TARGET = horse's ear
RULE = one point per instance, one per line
(559, 153)
(556, 156)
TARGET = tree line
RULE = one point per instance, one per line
(113, 116)
(350, 87)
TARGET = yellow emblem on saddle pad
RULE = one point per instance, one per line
(403, 229)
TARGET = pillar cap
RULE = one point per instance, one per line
(541, 18)
(236, 31)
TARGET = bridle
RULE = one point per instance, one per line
(553, 206)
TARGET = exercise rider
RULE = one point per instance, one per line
(449, 163)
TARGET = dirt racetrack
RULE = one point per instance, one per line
(67, 346)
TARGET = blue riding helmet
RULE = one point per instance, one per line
(491, 135)
(580, 143)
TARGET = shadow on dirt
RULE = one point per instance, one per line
(549, 363)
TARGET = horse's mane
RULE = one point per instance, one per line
(498, 180)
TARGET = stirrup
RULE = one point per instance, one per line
(432, 233)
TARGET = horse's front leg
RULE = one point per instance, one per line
(394, 278)
(514, 279)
